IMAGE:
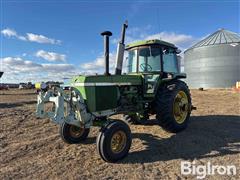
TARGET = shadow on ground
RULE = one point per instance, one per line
(17, 104)
(205, 137)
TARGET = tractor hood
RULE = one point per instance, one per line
(102, 80)
(101, 92)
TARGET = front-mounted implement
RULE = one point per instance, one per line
(151, 86)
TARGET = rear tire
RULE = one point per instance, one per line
(72, 134)
(173, 106)
(114, 141)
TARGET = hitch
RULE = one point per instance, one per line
(68, 107)
(193, 108)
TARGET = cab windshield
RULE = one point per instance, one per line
(148, 59)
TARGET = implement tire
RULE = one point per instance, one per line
(72, 134)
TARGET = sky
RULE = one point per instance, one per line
(51, 40)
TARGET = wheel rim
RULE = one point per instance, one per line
(75, 131)
(118, 141)
(180, 107)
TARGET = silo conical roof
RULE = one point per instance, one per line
(221, 36)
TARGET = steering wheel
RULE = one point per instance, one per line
(145, 66)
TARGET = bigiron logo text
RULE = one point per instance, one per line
(201, 171)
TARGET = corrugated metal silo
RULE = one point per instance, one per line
(214, 62)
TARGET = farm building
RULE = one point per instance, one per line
(214, 62)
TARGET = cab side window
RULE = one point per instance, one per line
(170, 61)
(132, 61)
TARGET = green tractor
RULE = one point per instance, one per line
(151, 86)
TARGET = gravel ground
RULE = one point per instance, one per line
(32, 149)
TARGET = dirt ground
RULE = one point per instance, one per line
(32, 148)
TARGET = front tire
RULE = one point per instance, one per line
(72, 134)
(173, 106)
(114, 141)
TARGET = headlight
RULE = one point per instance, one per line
(41, 86)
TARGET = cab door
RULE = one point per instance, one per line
(149, 64)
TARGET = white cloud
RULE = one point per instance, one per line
(29, 37)
(97, 66)
(56, 68)
(41, 39)
(16, 64)
(22, 38)
(17, 69)
(51, 56)
(180, 40)
(9, 32)
(12, 33)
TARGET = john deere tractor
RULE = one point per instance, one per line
(151, 86)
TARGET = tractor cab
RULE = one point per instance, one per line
(154, 59)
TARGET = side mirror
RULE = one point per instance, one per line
(165, 51)
(178, 51)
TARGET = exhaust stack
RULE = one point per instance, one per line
(120, 51)
(106, 35)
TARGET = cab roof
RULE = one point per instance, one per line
(150, 42)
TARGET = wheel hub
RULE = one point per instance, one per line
(180, 107)
(75, 131)
(118, 141)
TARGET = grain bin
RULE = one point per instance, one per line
(214, 62)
